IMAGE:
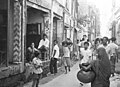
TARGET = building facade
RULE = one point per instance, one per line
(24, 22)
(115, 22)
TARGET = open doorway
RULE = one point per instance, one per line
(34, 30)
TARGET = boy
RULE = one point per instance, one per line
(37, 69)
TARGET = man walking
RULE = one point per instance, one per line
(55, 56)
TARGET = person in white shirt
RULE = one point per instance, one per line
(86, 53)
(112, 51)
(66, 56)
(54, 59)
(37, 70)
(43, 45)
(44, 42)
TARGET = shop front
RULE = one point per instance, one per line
(37, 24)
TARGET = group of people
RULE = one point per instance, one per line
(112, 50)
(35, 57)
(105, 51)
(66, 46)
(43, 47)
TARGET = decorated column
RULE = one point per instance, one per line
(17, 32)
(47, 25)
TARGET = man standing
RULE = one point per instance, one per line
(55, 56)
(43, 45)
(105, 43)
(113, 54)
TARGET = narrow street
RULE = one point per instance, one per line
(70, 80)
(65, 80)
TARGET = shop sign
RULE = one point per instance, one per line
(44, 3)
(57, 9)
(67, 19)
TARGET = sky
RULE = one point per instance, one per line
(105, 7)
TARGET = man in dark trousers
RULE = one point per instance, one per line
(55, 56)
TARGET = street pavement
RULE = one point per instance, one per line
(70, 80)
(65, 80)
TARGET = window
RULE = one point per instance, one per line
(3, 32)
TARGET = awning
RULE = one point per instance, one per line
(37, 7)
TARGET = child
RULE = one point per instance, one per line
(37, 69)
(66, 56)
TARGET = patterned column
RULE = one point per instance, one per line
(17, 32)
(47, 24)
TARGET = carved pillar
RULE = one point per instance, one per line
(47, 24)
(17, 32)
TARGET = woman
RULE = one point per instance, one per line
(102, 69)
